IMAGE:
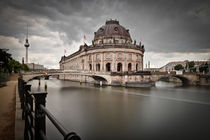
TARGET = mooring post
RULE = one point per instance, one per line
(45, 85)
(39, 82)
(40, 121)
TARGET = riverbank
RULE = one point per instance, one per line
(7, 108)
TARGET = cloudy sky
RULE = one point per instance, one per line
(171, 30)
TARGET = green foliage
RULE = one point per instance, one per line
(8, 64)
(4, 59)
(191, 64)
(25, 67)
(178, 67)
(14, 66)
(203, 68)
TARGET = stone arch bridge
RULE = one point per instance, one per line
(109, 78)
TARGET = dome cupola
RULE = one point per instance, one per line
(112, 29)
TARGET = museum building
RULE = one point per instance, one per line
(112, 50)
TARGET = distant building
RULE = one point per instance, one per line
(170, 66)
(34, 66)
(152, 69)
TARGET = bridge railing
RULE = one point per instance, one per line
(34, 113)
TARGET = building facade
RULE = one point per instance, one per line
(34, 66)
(112, 50)
(197, 64)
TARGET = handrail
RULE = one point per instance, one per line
(58, 125)
(34, 113)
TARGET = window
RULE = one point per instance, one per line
(108, 55)
(129, 56)
(108, 67)
(129, 67)
(116, 41)
(97, 56)
(89, 57)
(137, 67)
(97, 67)
(119, 55)
(100, 42)
(137, 56)
(90, 66)
(119, 67)
(101, 29)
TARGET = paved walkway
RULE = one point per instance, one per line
(7, 109)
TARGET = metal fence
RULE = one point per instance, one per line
(34, 113)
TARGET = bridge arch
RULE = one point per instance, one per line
(184, 80)
(99, 78)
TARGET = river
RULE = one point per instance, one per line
(107, 113)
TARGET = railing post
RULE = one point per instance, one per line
(22, 98)
(30, 101)
(27, 88)
(40, 121)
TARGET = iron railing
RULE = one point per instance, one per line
(34, 113)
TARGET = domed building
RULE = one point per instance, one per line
(112, 51)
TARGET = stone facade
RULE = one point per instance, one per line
(111, 50)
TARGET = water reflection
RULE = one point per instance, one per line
(161, 84)
(127, 113)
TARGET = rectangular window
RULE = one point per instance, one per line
(108, 55)
(129, 56)
(116, 41)
(119, 55)
(97, 56)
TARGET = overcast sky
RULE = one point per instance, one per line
(170, 30)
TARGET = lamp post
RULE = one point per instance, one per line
(64, 66)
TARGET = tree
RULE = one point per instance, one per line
(203, 68)
(25, 67)
(8, 64)
(14, 66)
(4, 58)
(190, 66)
(178, 67)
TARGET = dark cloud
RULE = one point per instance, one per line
(164, 26)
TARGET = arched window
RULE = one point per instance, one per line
(137, 67)
(90, 66)
(129, 67)
(108, 67)
(82, 64)
(119, 67)
(97, 67)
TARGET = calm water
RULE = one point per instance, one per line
(128, 113)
